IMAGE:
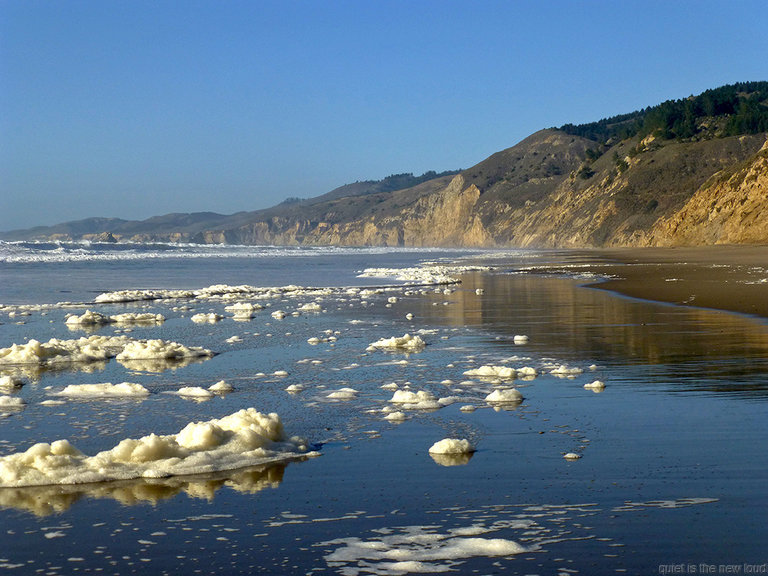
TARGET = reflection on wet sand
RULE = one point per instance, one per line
(47, 500)
(726, 351)
(34, 372)
(160, 364)
(452, 459)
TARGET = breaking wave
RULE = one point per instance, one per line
(85, 251)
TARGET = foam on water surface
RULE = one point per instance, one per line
(11, 402)
(244, 438)
(406, 343)
(96, 349)
(501, 372)
(452, 446)
(91, 318)
(505, 396)
(10, 382)
(104, 390)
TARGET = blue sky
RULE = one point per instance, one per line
(138, 108)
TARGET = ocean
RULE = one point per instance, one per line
(276, 410)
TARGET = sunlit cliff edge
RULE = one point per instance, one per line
(687, 172)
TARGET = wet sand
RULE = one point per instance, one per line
(731, 278)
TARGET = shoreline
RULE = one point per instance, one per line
(728, 278)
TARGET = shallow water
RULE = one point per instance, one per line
(673, 464)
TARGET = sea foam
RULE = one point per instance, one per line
(242, 439)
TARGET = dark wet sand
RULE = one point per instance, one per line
(731, 278)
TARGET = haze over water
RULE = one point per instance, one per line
(672, 462)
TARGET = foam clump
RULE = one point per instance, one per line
(130, 318)
(160, 349)
(244, 438)
(91, 349)
(95, 349)
(452, 446)
(214, 292)
(504, 396)
(565, 371)
(343, 394)
(596, 386)
(571, 456)
(11, 402)
(91, 318)
(520, 339)
(527, 372)
(406, 342)
(421, 400)
(195, 392)
(88, 318)
(243, 310)
(221, 387)
(502, 372)
(209, 292)
(203, 318)
(10, 382)
(425, 274)
(141, 295)
(311, 307)
(104, 390)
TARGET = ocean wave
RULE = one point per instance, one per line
(86, 251)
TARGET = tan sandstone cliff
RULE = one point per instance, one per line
(732, 209)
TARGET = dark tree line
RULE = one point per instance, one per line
(407, 180)
(743, 105)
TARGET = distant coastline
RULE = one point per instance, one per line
(689, 172)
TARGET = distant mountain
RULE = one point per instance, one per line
(688, 171)
(341, 203)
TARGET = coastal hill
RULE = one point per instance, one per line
(692, 171)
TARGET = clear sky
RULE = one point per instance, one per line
(135, 108)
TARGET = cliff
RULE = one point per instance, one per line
(732, 208)
(687, 172)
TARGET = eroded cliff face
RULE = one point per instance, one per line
(448, 217)
(733, 209)
(665, 195)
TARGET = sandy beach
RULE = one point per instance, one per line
(731, 278)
